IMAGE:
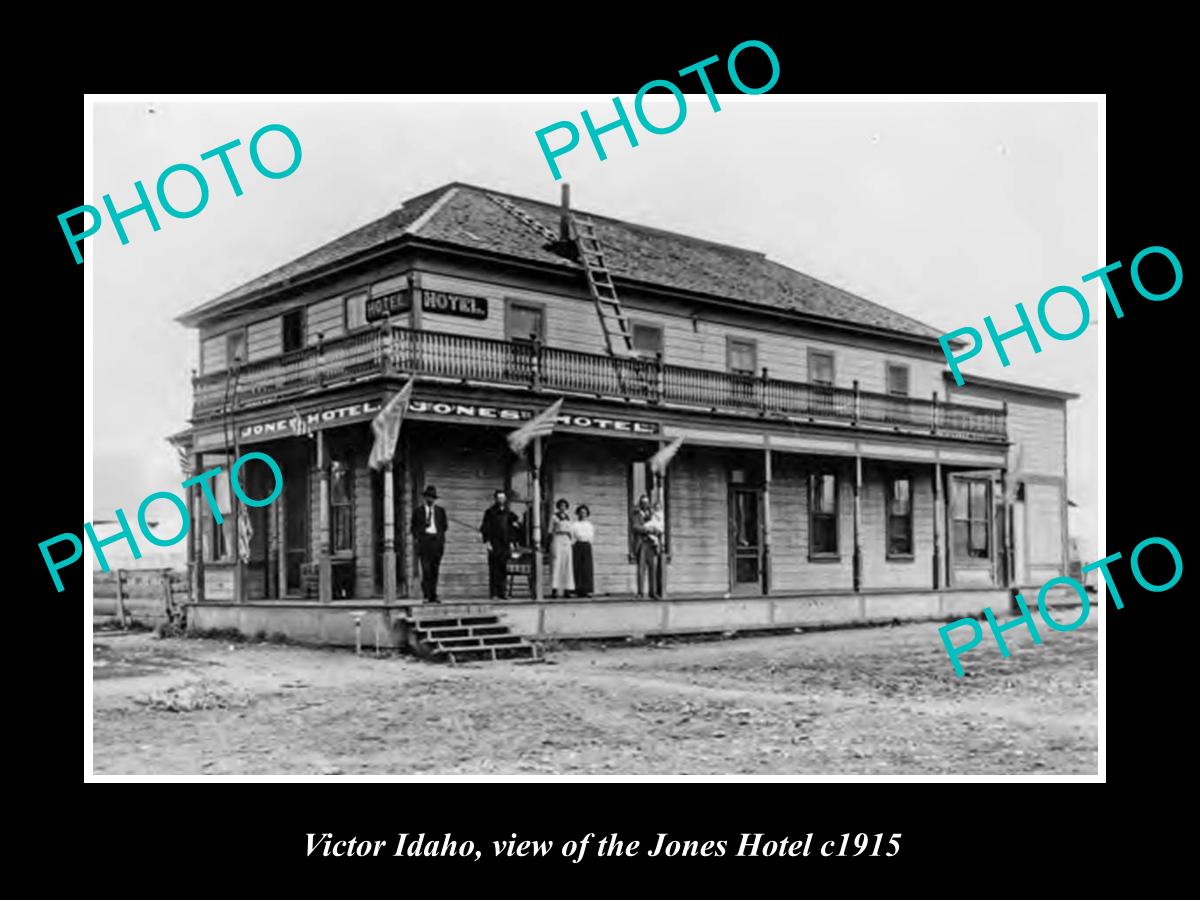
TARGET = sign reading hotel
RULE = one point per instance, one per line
(454, 304)
(446, 304)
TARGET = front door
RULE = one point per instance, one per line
(295, 530)
(745, 539)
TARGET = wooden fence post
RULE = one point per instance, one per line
(121, 598)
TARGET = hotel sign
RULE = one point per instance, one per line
(302, 423)
(454, 304)
(431, 409)
(393, 304)
(299, 424)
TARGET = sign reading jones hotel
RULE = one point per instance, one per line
(432, 409)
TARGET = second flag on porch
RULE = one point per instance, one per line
(660, 460)
(539, 426)
(386, 426)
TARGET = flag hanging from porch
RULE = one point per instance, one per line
(386, 426)
(299, 424)
(185, 460)
(660, 460)
(539, 426)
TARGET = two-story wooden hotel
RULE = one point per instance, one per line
(831, 471)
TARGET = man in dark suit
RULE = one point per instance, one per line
(429, 529)
(501, 529)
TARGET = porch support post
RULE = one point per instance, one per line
(280, 506)
(937, 525)
(766, 500)
(857, 522)
(662, 557)
(324, 565)
(197, 541)
(389, 535)
(537, 519)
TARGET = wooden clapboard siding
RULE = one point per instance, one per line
(790, 564)
(597, 474)
(699, 523)
(212, 354)
(1038, 430)
(326, 318)
(571, 323)
(264, 339)
(1043, 507)
(465, 471)
(878, 570)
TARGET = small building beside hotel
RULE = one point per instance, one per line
(830, 470)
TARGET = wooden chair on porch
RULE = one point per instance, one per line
(520, 567)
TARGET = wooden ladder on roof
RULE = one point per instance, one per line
(618, 334)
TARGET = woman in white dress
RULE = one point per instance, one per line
(562, 572)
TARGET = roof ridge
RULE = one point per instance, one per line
(623, 222)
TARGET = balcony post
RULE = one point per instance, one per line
(536, 364)
(762, 395)
(933, 414)
(1004, 419)
(660, 378)
(857, 404)
(320, 358)
(386, 345)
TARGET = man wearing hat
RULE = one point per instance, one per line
(429, 529)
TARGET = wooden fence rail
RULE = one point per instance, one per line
(151, 596)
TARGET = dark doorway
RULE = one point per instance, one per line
(745, 539)
(294, 465)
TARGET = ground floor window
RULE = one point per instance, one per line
(822, 515)
(341, 506)
(899, 517)
(969, 511)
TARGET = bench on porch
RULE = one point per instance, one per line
(342, 572)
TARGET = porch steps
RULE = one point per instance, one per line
(462, 632)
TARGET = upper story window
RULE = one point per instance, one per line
(293, 330)
(235, 347)
(741, 355)
(525, 321)
(647, 338)
(897, 380)
(356, 310)
(820, 367)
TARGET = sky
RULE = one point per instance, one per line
(944, 211)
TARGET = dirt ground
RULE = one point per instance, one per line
(863, 701)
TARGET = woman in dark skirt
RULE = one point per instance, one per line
(581, 551)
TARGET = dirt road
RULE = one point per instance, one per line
(867, 701)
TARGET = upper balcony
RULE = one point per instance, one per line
(536, 367)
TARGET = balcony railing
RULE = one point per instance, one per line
(531, 365)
